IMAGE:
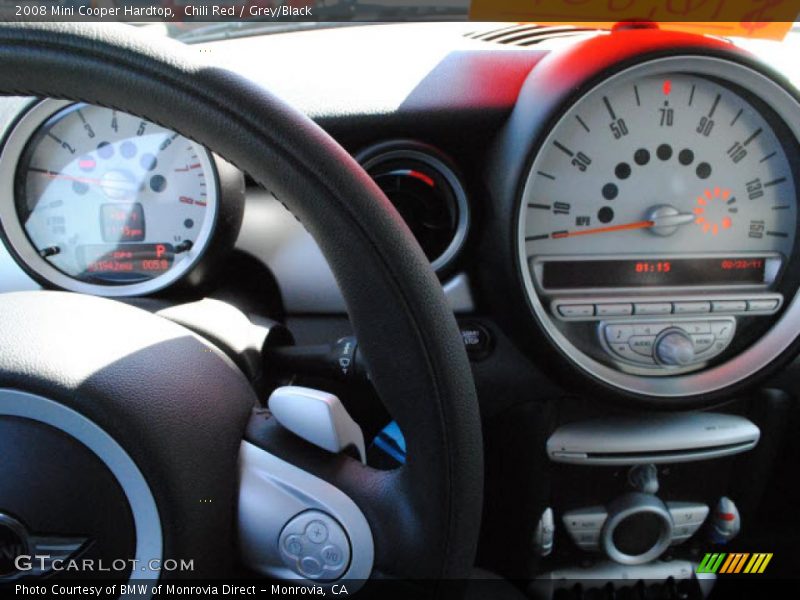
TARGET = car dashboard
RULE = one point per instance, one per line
(612, 217)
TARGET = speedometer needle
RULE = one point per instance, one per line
(673, 220)
(609, 229)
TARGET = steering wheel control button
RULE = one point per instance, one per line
(332, 555)
(317, 532)
(314, 545)
(310, 567)
(294, 545)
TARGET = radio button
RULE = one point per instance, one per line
(682, 308)
(695, 327)
(728, 306)
(703, 341)
(722, 330)
(652, 308)
(614, 310)
(629, 354)
(649, 328)
(761, 305)
(642, 344)
(618, 333)
(576, 310)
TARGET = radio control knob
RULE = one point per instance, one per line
(674, 348)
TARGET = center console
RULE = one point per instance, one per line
(639, 498)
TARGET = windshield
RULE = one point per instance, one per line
(260, 17)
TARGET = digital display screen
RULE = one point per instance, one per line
(653, 272)
(126, 261)
(122, 222)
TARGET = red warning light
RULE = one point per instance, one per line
(667, 87)
(160, 250)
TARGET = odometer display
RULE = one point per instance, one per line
(653, 273)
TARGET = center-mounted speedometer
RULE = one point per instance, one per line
(657, 217)
(679, 172)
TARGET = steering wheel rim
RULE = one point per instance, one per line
(395, 302)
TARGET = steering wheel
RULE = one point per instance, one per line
(124, 432)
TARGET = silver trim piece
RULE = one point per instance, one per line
(650, 365)
(462, 205)
(149, 539)
(599, 575)
(10, 154)
(652, 438)
(629, 505)
(751, 360)
(558, 303)
(271, 493)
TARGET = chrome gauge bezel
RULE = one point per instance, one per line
(22, 249)
(749, 361)
(400, 150)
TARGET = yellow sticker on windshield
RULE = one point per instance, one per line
(769, 19)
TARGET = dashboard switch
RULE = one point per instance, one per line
(576, 310)
(652, 308)
(691, 307)
(761, 305)
(544, 534)
(614, 310)
(729, 306)
(725, 521)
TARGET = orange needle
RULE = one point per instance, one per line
(624, 227)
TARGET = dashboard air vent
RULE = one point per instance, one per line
(527, 35)
(424, 188)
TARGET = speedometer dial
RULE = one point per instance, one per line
(658, 166)
(656, 227)
(108, 201)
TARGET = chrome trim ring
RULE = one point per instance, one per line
(23, 250)
(149, 539)
(753, 359)
(627, 506)
(462, 205)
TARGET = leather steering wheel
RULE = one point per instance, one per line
(175, 405)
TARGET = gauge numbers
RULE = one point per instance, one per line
(665, 164)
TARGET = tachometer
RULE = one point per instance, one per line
(106, 202)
